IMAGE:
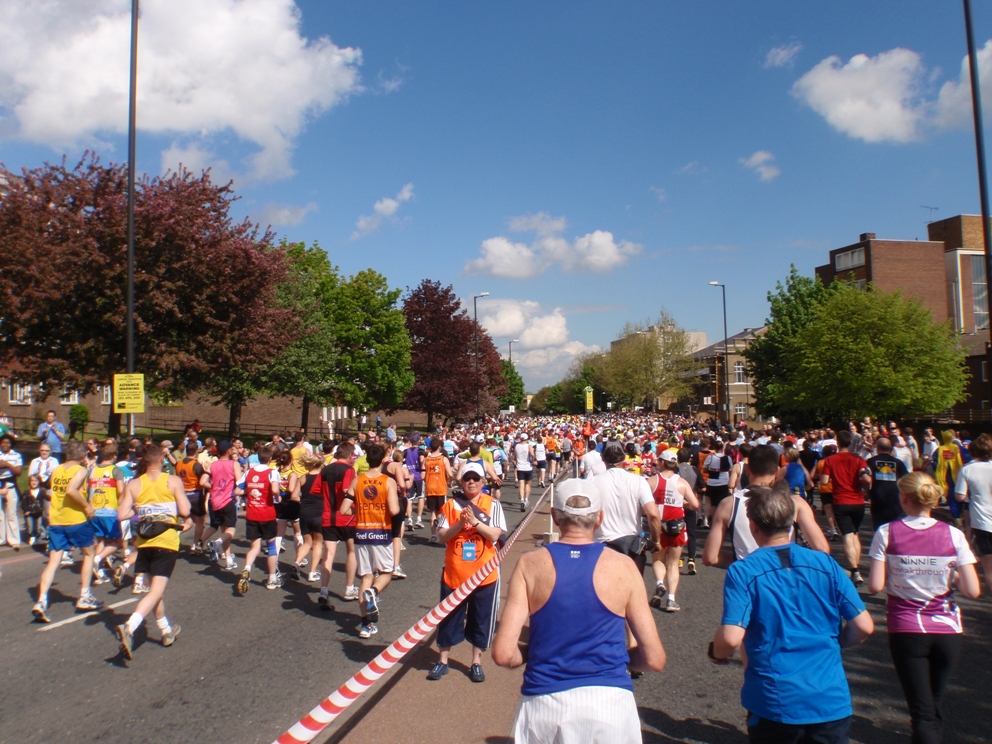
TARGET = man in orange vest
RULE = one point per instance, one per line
(374, 500)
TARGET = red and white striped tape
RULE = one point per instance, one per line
(334, 705)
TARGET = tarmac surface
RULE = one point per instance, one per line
(246, 668)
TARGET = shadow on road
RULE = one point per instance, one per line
(668, 729)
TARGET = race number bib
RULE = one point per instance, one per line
(468, 551)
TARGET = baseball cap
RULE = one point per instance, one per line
(578, 487)
(223, 447)
(479, 438)
(472, 467)
(613, 452)
(522, 436)
(669, 455)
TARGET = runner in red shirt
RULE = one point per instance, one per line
(848, 473)
(261, 493)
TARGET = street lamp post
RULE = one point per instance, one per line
(726, 353)
(478, 392)
(511, 349)
(131, 136)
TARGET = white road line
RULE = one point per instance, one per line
(77, 618)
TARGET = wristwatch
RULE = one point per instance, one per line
(713, 657)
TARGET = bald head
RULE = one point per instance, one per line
(883, 444)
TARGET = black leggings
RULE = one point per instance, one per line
(690, 529)
(924, 662)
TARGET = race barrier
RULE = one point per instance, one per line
(338, 701)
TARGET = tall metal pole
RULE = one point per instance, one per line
(726, 354)
(478, 391)
(511, 351)
(131, 136)
(983, 187)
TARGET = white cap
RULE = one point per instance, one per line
(479, 438)
(578, 487)
(669, 455)
(472, 467)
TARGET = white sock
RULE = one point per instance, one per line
(671, 597)
(163, 625)
(659, 582)
(96, 563)
(350, 587)
(272, 577)
(278, 545)
(134, 622)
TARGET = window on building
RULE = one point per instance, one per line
(985, 371)
(69, 397)
(19, 395)
(739, 374)
(741, 410)
(979, 292)
(108, 394)
(849, 259)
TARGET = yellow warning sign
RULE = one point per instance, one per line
(589, 404)
(129, 393)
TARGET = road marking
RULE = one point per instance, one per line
(21, 559)
(77, 618)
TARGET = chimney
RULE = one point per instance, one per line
(867, 236)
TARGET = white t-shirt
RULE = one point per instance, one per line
(975, 481)
(592, 464)
(43, 468)
(712, 463)
(904, 454)
(624, 495)
(521, 456)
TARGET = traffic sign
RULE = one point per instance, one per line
(129, 393)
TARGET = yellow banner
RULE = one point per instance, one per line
(129, 393)
(589, 405)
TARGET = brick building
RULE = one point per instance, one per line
(711, 393)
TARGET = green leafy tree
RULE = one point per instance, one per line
(793, 307)
(514, 387)
(872, 353)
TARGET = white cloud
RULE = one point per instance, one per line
(783, 56)
(660, 193)
(954, 101)
(285, 214)
(546, 366)
(761, 163)
(208, 69)
(876, 99)
(692, 168)
(546, 330)
(507, 318)
(385, 208)
(596, 252)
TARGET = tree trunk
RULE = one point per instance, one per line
(430, 420)
(114, 425)
(234, 423)
(305, 417)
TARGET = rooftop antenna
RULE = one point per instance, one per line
(932, 210)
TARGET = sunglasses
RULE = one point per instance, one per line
(471, 477)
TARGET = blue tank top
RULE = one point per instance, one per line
(575, 641)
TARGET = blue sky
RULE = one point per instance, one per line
(587, 164)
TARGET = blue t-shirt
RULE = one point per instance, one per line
(47, 435)
(791, 601)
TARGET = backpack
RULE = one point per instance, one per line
(724, 467)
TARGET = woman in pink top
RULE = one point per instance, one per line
(919, 562)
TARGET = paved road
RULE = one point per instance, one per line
(245, 668)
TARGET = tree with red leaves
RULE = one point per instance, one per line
(204, 285)
(443, 356)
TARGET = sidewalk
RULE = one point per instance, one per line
(407, 708)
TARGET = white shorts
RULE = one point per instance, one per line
(374, 558)
(584, 715)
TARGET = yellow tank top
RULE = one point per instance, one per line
(64, 511)
(156, 501)
(297, 466)
(103, 487)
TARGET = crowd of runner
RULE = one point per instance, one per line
(651, 483)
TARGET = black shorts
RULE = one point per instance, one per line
(717, 494)
(849, 517)
(981, 541)
(541, 465)
(826, 498)
(524, 475)
(338, 534)
(312, 517)
(197, 504)
(226, 516)
(566, 456)
(288, 510)
(155, 562)
(434, 503)
(263, 531)
(397, 521)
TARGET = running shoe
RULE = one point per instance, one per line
(118, 576)
(88, 602)
(169, 638)
(314, 576)
(371, 598)
(31, 541)
(418, 525)
(303, 562)
(244, 582)
(197, 548)
(523, 506)
(294, 573)
(275, 583)
(409, 524)
(231, 565)
(140, 587)
(658, 599)
(856, 578)
(437, 671)
(692, 567)
(368, 630)
(67, 559)
(672, 606)
(681, 562)
(476, 674)
(351, 594)
(398, 572)
(126, 640)
(40, 612)
(433, 539)
(324, 600)
(100, 577)
(214, 551)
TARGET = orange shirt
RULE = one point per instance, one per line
(373, 522)
(187, 472)
(435, 483)
(468, 551)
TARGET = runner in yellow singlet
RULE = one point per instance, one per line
(160, 501)
(105, 482)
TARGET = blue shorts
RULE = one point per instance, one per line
(109, 528)
(474, 620)
(65, 536)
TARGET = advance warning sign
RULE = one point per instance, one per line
(129, 393)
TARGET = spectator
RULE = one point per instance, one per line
(974, 485)
(785, 604)
(576, 684)
(43, 465)
(33, 506)
(11, 466)
(6, 425)
(52, 433)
